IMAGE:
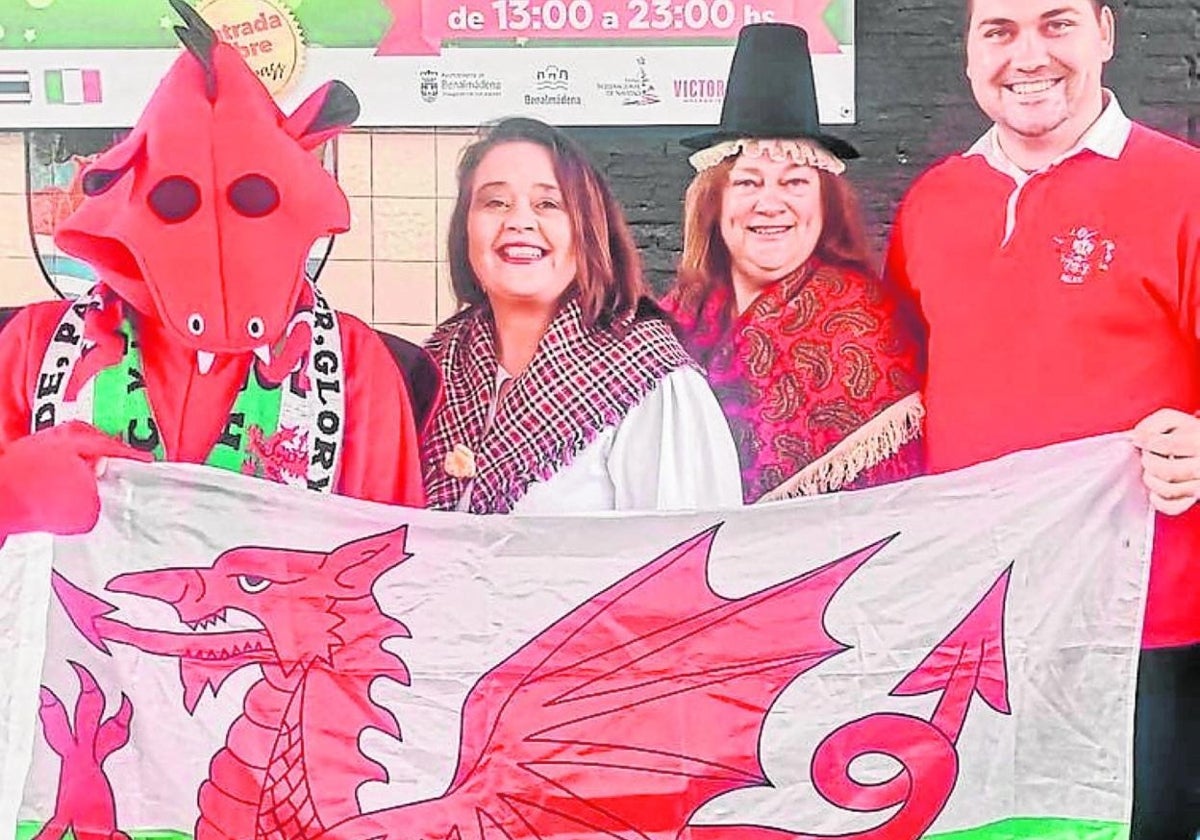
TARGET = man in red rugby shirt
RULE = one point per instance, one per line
(1056, 264)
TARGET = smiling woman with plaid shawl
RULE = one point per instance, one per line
(565, 388)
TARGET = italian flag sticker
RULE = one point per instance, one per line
(73, 87)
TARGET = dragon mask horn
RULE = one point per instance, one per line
(199, 38)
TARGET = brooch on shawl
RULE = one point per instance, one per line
(460, 462)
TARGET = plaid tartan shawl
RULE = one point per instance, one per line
(581, 381)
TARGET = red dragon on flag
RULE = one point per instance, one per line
(620, 720)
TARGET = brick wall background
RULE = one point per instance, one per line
(913, 106)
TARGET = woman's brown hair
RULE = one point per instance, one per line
(706, 262)
(608, 282)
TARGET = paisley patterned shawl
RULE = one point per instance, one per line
(817, 378)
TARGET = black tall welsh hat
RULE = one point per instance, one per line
(771, 93)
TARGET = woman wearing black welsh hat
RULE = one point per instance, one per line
(777, 297)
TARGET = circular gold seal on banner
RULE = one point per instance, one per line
(265, 32)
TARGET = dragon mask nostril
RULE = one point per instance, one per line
(255, 327)
(195, 323)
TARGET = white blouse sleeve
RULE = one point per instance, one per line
(673, 451)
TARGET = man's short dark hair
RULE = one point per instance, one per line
(1097, 5)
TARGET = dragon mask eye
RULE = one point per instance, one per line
(175, 199)
(253, 195)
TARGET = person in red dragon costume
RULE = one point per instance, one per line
(204, 342)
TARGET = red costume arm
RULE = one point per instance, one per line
(20, 348)
(48, 479)
(381, 456)
(22, 344)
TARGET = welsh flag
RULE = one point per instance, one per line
(953, 657)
